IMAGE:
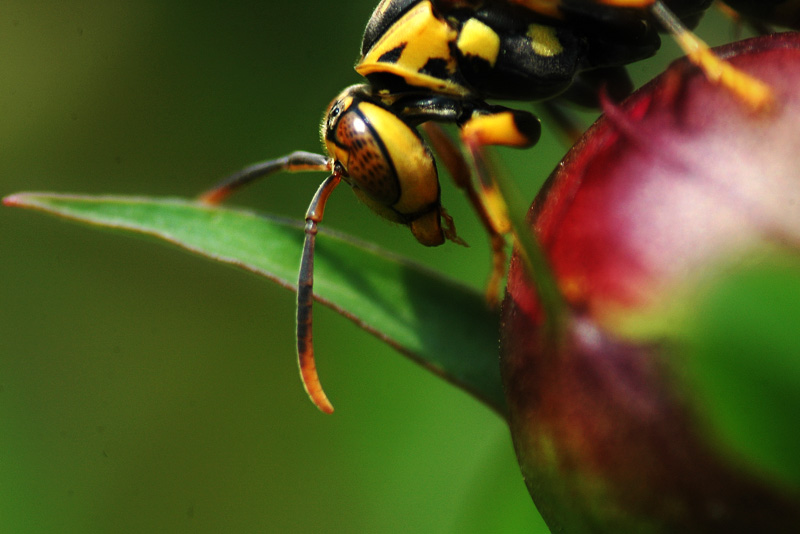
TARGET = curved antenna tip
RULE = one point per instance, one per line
(312, 385)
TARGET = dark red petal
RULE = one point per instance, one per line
(675, 181)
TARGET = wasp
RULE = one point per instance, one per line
(433, 62)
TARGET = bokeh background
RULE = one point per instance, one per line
(145, 390)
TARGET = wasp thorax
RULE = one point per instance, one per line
(386, 162)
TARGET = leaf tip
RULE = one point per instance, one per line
(16, 199)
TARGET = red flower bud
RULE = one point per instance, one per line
(660, 197)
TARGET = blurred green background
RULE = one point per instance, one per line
(145, 390)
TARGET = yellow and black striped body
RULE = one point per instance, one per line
(512, 49)
(430, 62)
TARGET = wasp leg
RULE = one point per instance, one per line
(751, 91)
(294, 162)
(305, 294)
(451, 157)
(496, 126)
(479, 124)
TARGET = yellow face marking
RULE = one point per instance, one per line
(416, 172)
(544, 40)
(478, 39)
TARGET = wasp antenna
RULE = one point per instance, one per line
(305, 294)
(294, 162)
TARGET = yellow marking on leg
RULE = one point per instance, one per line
(457, 166)
(495, 129)
(752, 92)
(496, 207)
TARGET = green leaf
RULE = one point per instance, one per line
(745, 363)
(443, 325)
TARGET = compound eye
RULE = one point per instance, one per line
(364, 155)
(333, 115)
